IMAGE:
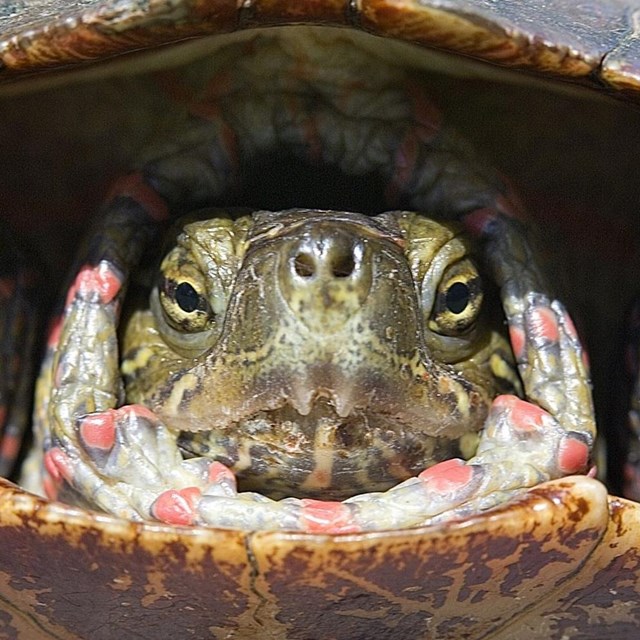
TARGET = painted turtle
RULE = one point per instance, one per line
(551, 563)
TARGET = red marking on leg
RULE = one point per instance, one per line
(55, 330)
(58, 374)
(510, 206)
(100, 281)
(425, 113)
(319, 516)
(133, 186)
(312, 139)
(219, 472)
(403, 165)
(178, 91)
(505, 401)
(98, 431)
(207, 111)
(205, 106)
(221, 84)
(517, 339)
(227, 139)
(569, 326)
(573, 455)
(229, 143)
(192, 495)
(526, 416)
(50, 487)
(139, 411)
(58, 465)
(306, 124)
(3, 414)
(447, 476)
(174, 507)
(543, 324)
(10, 447)
(478, 222)
(173, 86)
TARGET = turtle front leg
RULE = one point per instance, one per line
(122, 460)
(130, 465)
(127, 463)
(526, 442)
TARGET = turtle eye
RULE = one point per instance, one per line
(457, 297)
(458, 300)
(185, 307)
(187, 297)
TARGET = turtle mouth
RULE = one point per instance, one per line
(319, 452)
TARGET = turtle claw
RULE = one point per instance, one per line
(176, 507)
(128, 444)
(451, 480)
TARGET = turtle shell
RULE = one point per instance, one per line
(593, 42)
(561, 561)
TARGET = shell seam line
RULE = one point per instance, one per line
(253, 579)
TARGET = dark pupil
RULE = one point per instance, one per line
(187, 297)
(457, 297)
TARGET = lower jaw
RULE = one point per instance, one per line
(282, 454)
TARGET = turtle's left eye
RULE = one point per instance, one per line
(458, 300)
(187, 297)
(185, 307)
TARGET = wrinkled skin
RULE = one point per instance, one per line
(315, 114)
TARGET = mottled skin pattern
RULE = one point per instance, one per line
(314, 353)
(240, 112)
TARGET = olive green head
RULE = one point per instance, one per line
(319, 353)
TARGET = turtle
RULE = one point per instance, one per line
(390, 583)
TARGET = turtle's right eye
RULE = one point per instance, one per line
(185, 307)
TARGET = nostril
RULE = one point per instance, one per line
(343, 266)
(304, 265)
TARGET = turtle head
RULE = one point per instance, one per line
(318, 352)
